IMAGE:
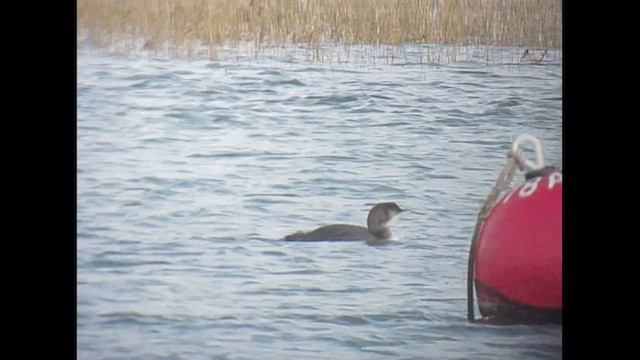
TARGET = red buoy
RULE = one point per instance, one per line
(518, 260)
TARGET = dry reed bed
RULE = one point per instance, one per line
(176, 24)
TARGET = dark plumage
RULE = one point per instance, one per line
(377, 229)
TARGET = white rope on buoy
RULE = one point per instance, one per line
(523, 162)
(515, 160)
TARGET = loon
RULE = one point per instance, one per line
(377, 229)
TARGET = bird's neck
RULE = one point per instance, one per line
(382, 232)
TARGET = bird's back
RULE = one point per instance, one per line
(337, 232)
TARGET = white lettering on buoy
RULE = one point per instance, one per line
(508, 196)
(529, 187)
(554, 178)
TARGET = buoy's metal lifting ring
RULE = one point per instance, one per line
(523, 162)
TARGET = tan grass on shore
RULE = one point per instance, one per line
(180, 24)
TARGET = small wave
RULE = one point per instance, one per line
(471, 72)
(294, 82)
(226, 154)
(106, 263)
(506, 102)
(298, 272)
(333, 99)
(391, 124)
(481, 142)
(274, 253)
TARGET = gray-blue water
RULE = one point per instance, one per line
(190, 173)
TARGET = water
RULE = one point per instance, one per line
(190, 173)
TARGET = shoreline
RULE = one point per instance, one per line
(200, 28)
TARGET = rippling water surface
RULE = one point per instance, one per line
(190, 173)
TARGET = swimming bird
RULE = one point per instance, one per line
(533, 56)
(377, 229)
